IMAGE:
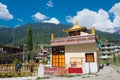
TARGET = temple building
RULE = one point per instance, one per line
(77, 52)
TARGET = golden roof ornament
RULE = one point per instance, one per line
(76, 22)
(76, 27)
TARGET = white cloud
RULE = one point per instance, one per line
(19, 19)
(100, 20)
(52, 20)
(39, 16)
(50, 3)
(16, 26)
(4, 12)
(116, 11)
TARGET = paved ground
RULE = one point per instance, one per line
(107, 73)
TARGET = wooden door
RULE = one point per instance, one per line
(58, 56)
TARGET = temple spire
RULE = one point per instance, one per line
(76, 23)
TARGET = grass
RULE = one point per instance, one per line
(42, 78)
(117, 63)
(67, 75)
(86, 76)
(96, 74)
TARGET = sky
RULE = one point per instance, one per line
(104, 15)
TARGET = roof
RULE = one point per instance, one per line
(74, 28)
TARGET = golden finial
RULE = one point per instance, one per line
(93, 30)
(97, 37)
(76, 22)
(52, 36)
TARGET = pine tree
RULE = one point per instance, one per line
(29, 41)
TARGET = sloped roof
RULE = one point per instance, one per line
(74, 28)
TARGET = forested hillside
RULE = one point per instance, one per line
(41, 33)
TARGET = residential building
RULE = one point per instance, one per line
(44, 54)
(106, 51)
(8, 54)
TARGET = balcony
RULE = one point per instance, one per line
(73, 40)
(106, 47)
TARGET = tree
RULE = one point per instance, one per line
(114, 58)
(29, 41)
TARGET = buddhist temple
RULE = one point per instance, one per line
(77, 52)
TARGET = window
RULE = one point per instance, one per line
(75, 62)
(1, 49)
(89, 57)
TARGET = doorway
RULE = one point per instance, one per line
(58, 56)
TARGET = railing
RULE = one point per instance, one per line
(73, 40)
(7, 68)
(111, 47)
(104, 57)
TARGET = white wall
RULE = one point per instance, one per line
(90, 67)
(79, 51)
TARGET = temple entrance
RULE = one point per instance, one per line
(89, 57)
(58, 56)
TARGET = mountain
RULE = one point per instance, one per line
(41, 33)
(5, 35)
(107, 35)
(117, 30)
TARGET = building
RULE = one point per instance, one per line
(44, 54)
(77, 52)
(6, 49)
(8, 54)
(106, 50)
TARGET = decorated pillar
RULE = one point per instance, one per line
(52, 36)
(93, 30)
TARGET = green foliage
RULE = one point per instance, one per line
(42, 33)
(114, 58)
(29, 41)
(14, 74)
(16, 61)
(5, 35)
(107, 36)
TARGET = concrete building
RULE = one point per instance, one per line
(44, 54)
(8, 54)
(106, 50)
(77, 52)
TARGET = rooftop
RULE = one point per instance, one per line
(75, 28)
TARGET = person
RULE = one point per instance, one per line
(31, 68)
(18, 66)
(107, 63)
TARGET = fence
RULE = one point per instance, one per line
(10, 68)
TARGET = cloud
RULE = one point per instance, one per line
(43, 18)
(39, 16)
(21, 20)
(100, 20)
(50, 3)
(116, 11)
(4, 12)
(52, 20)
